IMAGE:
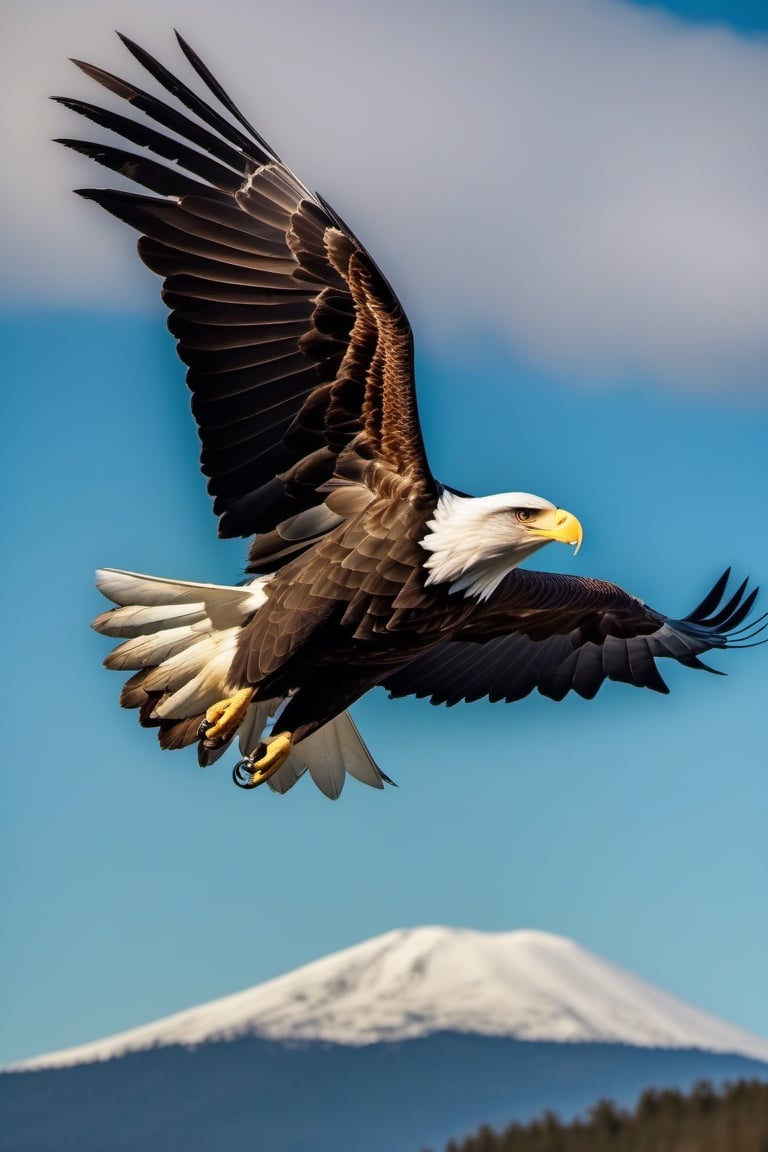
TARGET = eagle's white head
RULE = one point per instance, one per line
(475, 541)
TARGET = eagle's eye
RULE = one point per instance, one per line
(524, 514)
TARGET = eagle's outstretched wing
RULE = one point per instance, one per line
(295, 343)
(569, 633)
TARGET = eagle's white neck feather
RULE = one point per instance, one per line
(473, 543)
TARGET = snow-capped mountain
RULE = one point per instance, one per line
(414, 983)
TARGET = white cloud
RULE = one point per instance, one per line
(586, 179)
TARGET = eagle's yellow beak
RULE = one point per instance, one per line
(559, 525)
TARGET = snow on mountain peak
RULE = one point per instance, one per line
(412, 982)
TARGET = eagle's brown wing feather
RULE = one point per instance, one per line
(296, 346)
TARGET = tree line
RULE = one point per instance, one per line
(734, 1119)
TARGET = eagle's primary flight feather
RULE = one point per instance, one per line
(365, 569)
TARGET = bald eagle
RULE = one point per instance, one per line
(364, 570)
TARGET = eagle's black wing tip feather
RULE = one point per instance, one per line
(130, 44)
(213, 85)
(711, 601)
(695, 662)
(725, 627)
(722, 620)
(732, 617)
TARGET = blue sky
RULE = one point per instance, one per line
(135, 884)
(744, 15)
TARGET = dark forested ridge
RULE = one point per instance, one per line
(732, 1120)
(256, 1094)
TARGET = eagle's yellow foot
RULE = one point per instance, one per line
(224, 718)
(252, 771)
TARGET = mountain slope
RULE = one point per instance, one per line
(418, 982)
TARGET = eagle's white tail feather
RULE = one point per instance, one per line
(286, 776)
(325, 761)
(334, 750)
(357, 758)
(181, 638)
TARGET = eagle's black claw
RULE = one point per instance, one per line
(242, 773)
(203, 728)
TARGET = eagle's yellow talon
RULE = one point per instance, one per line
(225, 716)
(249, 773)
